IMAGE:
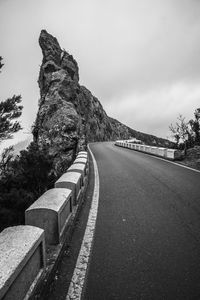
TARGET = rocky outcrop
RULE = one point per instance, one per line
(69, 116)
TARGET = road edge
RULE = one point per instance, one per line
(78, 279)
(177, 164)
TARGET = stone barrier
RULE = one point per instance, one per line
(22, 248)
(80, 168)
(137, 147)
(147, 149)
(80, 160)
(154, 150)
(51, 212)
(22, 261)
(162, 152)
(172, 154)
(80, 154)
(72, 181)
(83, 153)
(142, 148)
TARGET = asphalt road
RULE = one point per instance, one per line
(147, 239)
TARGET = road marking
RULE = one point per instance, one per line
(174, 163)
(78, 278)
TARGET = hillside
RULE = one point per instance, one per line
(69, 116)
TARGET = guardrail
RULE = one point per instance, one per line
(171, 154)
(23, 249)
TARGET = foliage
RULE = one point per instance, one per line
(186, 134)
(195, 126)
(10, 110)
(24, 180)
(175, 133)
(1, 65)
(180, 130)
(6, 157)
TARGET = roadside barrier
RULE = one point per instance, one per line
(171, 154)
(51, 213)
(80, 160)
(22, 260)
(24, 248)
(162, 152)
(78, 167)
(72, 181)
(83, 154)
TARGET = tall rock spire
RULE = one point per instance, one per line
(69, 116)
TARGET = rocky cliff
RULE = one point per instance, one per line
(69, 116)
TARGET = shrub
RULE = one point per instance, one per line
(27, 176)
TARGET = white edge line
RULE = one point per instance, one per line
(174, 163)
(78, 279)
(169, 161)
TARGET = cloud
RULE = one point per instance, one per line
(140, 58)
(158, 107)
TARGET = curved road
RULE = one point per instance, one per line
(147, 238)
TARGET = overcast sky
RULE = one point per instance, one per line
(140, 58)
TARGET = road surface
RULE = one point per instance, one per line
(147, 238)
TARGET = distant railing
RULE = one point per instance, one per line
(171, 154)
(23, 248)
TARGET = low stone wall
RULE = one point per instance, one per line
(23, 248)
(162, 152)
(22, 260)
(171, 154)
(80, 160)
(72, 181)
(78, 167)
(51, 213)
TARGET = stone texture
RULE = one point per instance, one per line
(82, 153)
(69, 116)
(81, 168)
(52, 199)
(73, 181)
(80, 160)
(17, 247)
(51, 213)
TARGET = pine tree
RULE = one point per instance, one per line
(10, 110)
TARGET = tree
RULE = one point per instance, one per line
(34, 169)
(10, 110)
(180, 131)
(195, 125)
(1, 65)
(6, 157)
(25, 179)
(175, 133)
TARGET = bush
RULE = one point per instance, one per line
(26, 178)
